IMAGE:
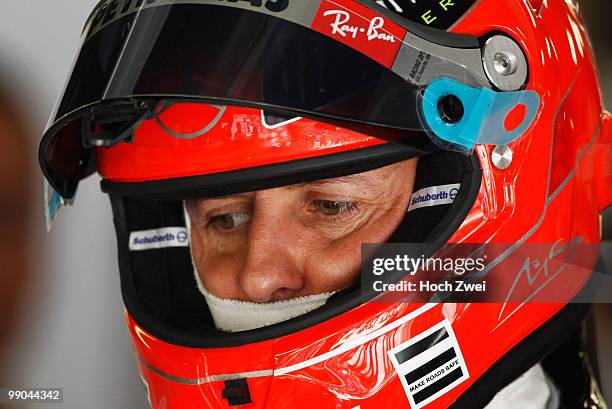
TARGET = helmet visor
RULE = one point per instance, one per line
(339, 62)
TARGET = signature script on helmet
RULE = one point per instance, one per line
(342, 27)
(546, 269)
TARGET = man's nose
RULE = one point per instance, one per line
(271, 269)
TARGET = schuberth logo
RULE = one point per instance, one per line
(159, 238)
(434, 196)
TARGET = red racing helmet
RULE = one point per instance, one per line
(177, 99)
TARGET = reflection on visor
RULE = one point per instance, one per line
(237, 57)
(334, 61)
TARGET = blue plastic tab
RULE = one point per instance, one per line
(53, 204)
(485, 112)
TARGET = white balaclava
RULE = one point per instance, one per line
(235, 315)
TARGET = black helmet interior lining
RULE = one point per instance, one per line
(160, 291)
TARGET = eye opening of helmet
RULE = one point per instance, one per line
(147, 308)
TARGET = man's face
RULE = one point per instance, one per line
(297, 240)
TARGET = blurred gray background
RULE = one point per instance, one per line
(72, 333)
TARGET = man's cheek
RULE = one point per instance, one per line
(217, 243)
(334, 268)
(220, 276)
(337, 265)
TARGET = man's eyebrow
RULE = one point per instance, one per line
(359, 179)
(244, 195)
(367, 181)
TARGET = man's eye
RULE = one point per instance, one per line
(333, 208)
(230, 221)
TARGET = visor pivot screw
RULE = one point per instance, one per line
(502, 157)
(451, 109)
(504, 63)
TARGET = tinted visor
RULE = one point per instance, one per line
(348, 66)
(237, 56)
